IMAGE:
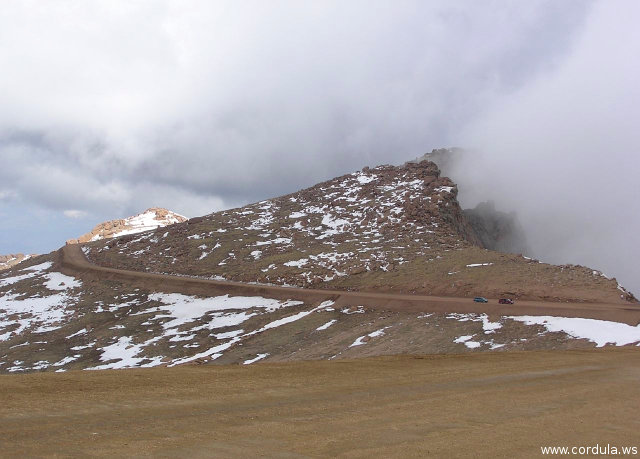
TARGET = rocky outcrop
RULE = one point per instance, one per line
(493, 229)
(445, 159)
(8, 261)
(150, 219)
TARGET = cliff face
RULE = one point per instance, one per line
(495, 230)
(148, 220)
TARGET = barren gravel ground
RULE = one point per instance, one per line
(478, 405)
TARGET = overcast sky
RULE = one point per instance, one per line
(107, 108)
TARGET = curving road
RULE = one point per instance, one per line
(74, 262)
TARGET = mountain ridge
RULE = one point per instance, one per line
(396, 228)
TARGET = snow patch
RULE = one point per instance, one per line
(327, 325)
(601, 332)
(258, 357)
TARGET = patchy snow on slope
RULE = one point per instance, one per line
(59, 281)
(221, 311)
(365, 338)
(327, 325)
(145, 221)
(66, 360)
(466, 340)
(283, 321)
(39, 268)
(84, 331)
(191, 307)
(258, 357)
(13, 279)
(36, 313)
(36, 270)
(364, 179)
(601, 332)
(488, 326)
(478, 264)
(297, 263)
(125, 353)
(214, 353)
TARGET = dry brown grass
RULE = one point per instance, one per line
(481, 405)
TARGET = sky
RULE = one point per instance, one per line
(110, 107)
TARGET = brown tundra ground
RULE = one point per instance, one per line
(472, 405)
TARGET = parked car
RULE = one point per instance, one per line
(480, 299)
(505, 301)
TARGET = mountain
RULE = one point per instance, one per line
(150, 219)
(389, 228)
(387, 260)
(7, 261)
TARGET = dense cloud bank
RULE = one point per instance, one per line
(564, 150)
(110, 107)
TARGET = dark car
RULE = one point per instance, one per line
(505, 301)
(480, 299)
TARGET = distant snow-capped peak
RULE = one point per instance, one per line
(150, 219)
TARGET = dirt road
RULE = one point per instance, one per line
(474, 405)
(74, 262)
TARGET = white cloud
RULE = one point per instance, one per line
(233, 102)
(565, 150)
(6, 194)
(75, 213)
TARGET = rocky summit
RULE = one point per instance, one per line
(151, 218)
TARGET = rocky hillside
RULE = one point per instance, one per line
(7, 261)
(52, 321)
(392, 229)
(387, 228)
(152, 218)
(373, 220)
